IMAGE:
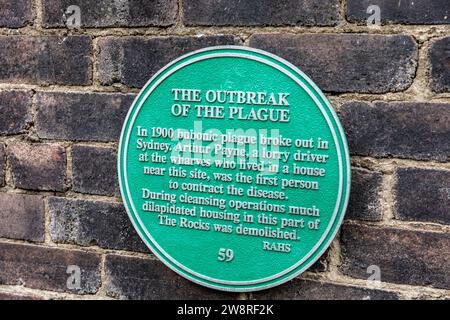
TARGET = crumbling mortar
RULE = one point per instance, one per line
(387, 197)
(102, 291)
(422, 32)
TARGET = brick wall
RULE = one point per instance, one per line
(64, 94)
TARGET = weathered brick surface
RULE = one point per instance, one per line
(2, 164)
(299, 289)
(95, 170)
(260, 13)
(4, 296)
(66, 90)
(15, 13)
(22, 217)
(137, 278)
(405, 12)
(46, 268)
(439, 60)
(89, 223)
(364, 198)
(133, 60)
(81, 116)
(15, 111)
(38, 166)
(107, 13)
(403, 256)
(405, 129)
(423, 195)
(45, 60)
(347, 62)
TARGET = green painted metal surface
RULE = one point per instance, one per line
(234, 168)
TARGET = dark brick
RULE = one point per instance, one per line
(403, 256)
(89, 223)
(14, 111)
(2, 164)
(133, 60)
(145, 279)
(38, 166)
(405, 12)
(439, 60)
(107, 13)
(22, 217)
(347, 62)
(299, 289)
(364, 200)
(260, 13)
(4, 296)
(423, 195)
(402, 129)
(45, 60)
(81, 116)
(95, 170)
(46, 268)
(15, 13)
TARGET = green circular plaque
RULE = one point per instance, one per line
(234, 168)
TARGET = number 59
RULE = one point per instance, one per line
(225, 255)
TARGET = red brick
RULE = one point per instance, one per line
(404, 12)
(15, 111)
(439, 62)
(107, 13)
(46, 268)
(89, 223)
(95, 170)
(260, 13)
(423, 195)
(412, 130)
(22, 217)
(38, 166)
(404, 256)
(133, 60)
(146, 279)
(347, 62)
(81, 116)
(16, 13)
(45, 59)
(364, 198)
